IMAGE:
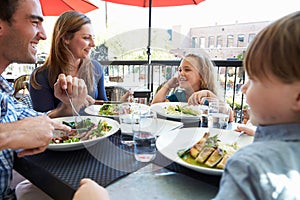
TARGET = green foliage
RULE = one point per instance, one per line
(241, 56)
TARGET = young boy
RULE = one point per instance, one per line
(270, 167)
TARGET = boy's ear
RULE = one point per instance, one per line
(1, 27)
(297, 102)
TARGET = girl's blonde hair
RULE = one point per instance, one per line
(276, 50)
(60, 55)
(207, 72)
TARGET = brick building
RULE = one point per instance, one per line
(219, 41)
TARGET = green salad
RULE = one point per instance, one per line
(109, 109)
(178, 110)
(84, 130)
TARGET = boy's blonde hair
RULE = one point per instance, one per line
(276, 50)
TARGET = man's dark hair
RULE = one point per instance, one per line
(7, 9)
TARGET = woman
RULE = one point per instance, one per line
(72, 40)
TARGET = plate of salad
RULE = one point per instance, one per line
(107, 109)
(83, 134)
(178, 110)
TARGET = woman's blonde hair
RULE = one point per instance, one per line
(60, 55)
(276, 50)
(207, 72)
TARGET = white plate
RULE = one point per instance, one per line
(169, 143)
(167, 125)
(82, 144)
(94, 110)
(160, 109)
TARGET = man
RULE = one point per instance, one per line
(29, 132)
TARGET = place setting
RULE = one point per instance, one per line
(129, 114)
(85, 131)
(204, 149)
(83, 134)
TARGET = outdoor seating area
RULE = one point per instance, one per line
(97, 104)
(230, 73)
(110, 162)
(123, 75)
(113, 166)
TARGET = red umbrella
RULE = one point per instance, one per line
(57, 7)
(156, 3)
(150, 4)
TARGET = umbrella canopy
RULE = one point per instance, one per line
(156, 3)
(57, 7)
(150, 4)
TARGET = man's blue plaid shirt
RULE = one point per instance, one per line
(11, 110)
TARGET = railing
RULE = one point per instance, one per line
(137, 74)
(145, 80)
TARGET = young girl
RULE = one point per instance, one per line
(196, 79)
(270, 167)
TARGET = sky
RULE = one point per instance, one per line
(207, 13)
(123, 18)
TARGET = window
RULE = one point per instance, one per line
(194, 42)
(241, 40)
(211, 42)
(230, 41)
(219, 41)
(202, 42)
(251, 37)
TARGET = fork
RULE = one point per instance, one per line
(76, 115)
(239, 135)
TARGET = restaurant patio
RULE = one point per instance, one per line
(113, 164)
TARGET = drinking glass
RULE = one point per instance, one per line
(205, 101)
(144, 135)
(218, 115)
(126, 111)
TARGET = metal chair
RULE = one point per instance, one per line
(21, 93)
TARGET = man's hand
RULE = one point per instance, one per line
(32, 135)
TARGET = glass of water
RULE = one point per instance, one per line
(218, 115)
(144, 135)
(205, 102)
(126, 111)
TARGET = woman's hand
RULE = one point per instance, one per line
(76, 89)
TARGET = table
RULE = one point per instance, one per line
(113, 166)
(156, 182)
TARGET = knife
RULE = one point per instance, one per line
(101, 102)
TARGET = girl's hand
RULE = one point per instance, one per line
(172, 83)
(245, 129)
(196, 97)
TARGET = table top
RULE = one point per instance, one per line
(156, 182)
(113, 166)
